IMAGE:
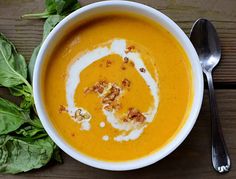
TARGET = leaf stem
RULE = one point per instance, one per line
(42, 15)
(35, 124)
(28, 85)
(40, 136)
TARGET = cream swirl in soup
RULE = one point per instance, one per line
(129, 129)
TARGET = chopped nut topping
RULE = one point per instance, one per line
(88, 90)
(98, 88)
(143, 70)
(78, 112)
(125, 119)
(134, 115)
(103, 83)
(108, 108)
(115, 90)
(111, 95)
(78, 117)
(106, 100)
(81, 115)
(86, 115)
(129, 49)
(126, 59)
(62, 109)
(116, 105)
(112, 105)
(109, 98)
(126, 83)
(108, 92)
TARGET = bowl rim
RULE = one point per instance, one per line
(155, 156)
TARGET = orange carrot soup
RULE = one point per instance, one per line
(118, 87)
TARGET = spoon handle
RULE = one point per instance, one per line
(220, 156)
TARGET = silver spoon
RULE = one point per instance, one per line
(205, 40)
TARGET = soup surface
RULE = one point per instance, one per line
(118, 87)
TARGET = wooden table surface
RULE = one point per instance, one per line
(192, 158)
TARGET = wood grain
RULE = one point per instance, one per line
(190, 160)
(26, 34)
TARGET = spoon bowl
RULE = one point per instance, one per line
(206, 43)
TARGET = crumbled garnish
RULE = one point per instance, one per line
(125, 119)
(109, 99)
(108, 92)
(126, 59)
(88, 90)
(106, 100)
(129, 49)
(143, 70)
(81, 115)
(103, 82)
(112, 105)
(62, 109)
(126, 83)
(116, 105)
(108, 63)
(111, 94)
(134, 115)
(98, 88)
(78, 117)
(86, 115)
(115, 90)
(108, 108)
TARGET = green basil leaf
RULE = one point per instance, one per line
(29, 131)
(32, 61)
(36, 122)
(50, 23)
(11, 117)
(50, 6)
(23, 90)
(64, 7)
(20, 156)
(13, 69)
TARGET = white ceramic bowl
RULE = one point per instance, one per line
(110, 6)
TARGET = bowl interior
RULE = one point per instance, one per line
(94, 10)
